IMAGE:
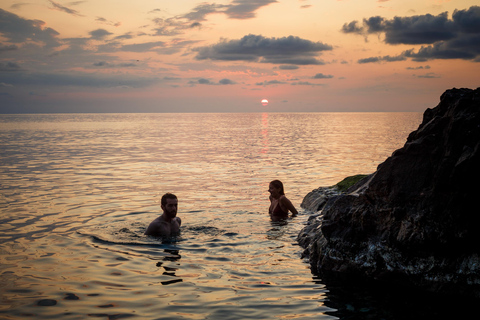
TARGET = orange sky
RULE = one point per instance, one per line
(226, 56)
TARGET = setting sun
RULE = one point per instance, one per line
(264, 102)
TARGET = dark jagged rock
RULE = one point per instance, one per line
(415, 221)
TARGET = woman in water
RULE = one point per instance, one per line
(279, 204)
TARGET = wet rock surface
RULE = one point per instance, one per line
(415, 220)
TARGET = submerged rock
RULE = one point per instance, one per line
(415, 220)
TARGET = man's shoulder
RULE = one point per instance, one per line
(158, 220)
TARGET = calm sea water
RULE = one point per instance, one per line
(78, 190)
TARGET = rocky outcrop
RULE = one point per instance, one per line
(415, 220)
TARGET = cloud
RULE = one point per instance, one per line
(200, 12)
(142, 47)
(425, 29)
(288, 67)
(105, 21)
(59, 7)
(448, 50)
(76, 79)
(19, 5)
(322, 76)
(8, 48)
(208, 82)
(429, 75)
(99, 34)
(105, 64)
(226, 81)
(352, 27)
(173, 26)
(268, 83)
(444, 38)
(245, 9)
(160, 47)
(307, 83)
(400, 57)
(255, 48)
(17, 30)
(9, 67)
(125, 36)
(237, 9)
(418, 68)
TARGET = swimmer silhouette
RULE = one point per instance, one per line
(168, 224)
(279, 203)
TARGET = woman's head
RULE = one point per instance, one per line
(277, 184)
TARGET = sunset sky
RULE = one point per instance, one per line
(229, 55)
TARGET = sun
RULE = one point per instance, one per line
(264, 102)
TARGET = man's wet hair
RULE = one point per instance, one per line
(166, 196)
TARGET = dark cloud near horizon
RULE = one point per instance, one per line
(11, 47)
(105, 64)
(9, 67)
(256, 48)
(76, 79)
(444, 38)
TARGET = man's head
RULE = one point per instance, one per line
(168, 196)
(170, 205)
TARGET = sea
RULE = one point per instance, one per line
(78, 191)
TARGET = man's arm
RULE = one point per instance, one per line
(179, 221)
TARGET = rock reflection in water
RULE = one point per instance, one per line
(354, 299)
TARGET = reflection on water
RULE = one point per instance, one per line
(170, 271)
(264, 133)
(360, 300)
(77, 192)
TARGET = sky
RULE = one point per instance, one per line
(229, 55)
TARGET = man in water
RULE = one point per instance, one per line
(168, 224)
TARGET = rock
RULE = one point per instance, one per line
(414, 221)
(316, 199)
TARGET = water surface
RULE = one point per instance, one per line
(78, 190)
